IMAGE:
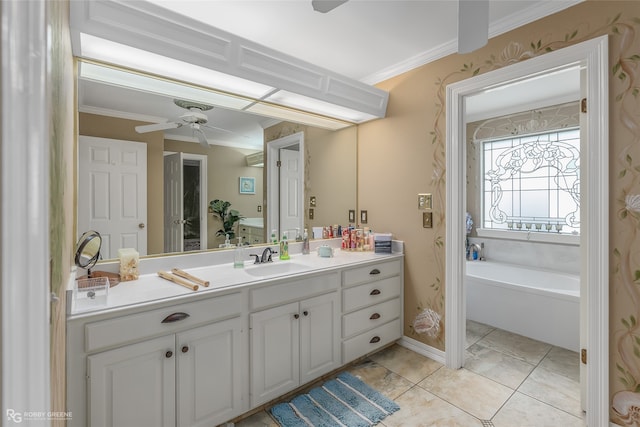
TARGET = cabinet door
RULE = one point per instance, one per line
(210, 360)
(134, 385)
(319, 336)
(275, 367)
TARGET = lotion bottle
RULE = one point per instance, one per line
(238, 255)
(284, 247)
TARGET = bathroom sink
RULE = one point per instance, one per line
(275, 269)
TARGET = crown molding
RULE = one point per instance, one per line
(508, 23)
(120, 114)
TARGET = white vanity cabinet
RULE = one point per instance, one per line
(176, 366)
(294, 342)
(371, 307)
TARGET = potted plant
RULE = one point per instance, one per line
(229, 217)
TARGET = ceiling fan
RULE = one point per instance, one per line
(473, 21)
(193, 118)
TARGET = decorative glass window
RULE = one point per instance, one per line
(532, 182)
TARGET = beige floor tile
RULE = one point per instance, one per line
(515, 345)
(563, 362)
(420, 408)
(476, 331)
(554, 389)
(524, 411)
(406, 363)
(500, 367)
(260, 419)
(377, 376)
(473, 393)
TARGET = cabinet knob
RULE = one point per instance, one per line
(185, 348)
(374, 340)
(306, 313)
(374, 272)
(374, 316)
(296, 316)
(168, 354)
(375, 292)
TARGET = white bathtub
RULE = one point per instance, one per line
(539, 304)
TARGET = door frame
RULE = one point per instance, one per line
(204, 195)
(593, 55)
(273, 178)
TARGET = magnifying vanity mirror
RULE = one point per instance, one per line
(88, 250)
(149, 164)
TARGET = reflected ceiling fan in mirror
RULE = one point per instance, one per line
(193, 118)
(473, 21)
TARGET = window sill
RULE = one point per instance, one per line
(531, 236)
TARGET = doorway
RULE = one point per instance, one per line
(285, 177)
(592, 56)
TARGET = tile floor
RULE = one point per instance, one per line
(508, 380)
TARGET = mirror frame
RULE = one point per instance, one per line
(593, 55)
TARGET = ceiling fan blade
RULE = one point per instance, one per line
(473, 24)
(157, 126)
(202, 138)
(324, 6)
(218, 129)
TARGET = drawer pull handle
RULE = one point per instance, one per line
(175, 317)
(374, 316)
(374, 340)
(185, 348)
(306, 313)
(296, 316)
(168, 354)
(375, 292)
(374, 271)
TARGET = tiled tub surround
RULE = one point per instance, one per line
(151, 356)
(537, 303)
(508, 380)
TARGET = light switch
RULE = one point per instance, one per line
(310, 213)
(427, 219)
(424, 201)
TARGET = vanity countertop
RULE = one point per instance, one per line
(151, 289)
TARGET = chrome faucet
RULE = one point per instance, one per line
(266, 256)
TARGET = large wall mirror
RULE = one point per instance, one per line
(150, 161)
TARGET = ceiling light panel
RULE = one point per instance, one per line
(297, 116)
(305, 103)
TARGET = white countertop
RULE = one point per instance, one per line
(151, 288)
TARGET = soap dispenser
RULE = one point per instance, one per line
(284, 247)
(238, 255)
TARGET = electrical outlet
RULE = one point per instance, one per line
(259, 208)
(424, 201)
(312, 201)
(427, 219)
(310, 213)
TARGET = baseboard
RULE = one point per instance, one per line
(422, 348)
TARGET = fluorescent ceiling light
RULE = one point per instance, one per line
(297, 116)
(137, 59)
(143, 83)
(305, 103)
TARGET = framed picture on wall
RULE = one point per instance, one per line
(247, 185)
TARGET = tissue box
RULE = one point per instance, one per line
(382, 243)
(129, 258)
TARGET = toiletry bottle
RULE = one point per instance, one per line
(227, 242)
(298, 235)
(274, 239)
(305, 242)
(284, 247)
(238, 255)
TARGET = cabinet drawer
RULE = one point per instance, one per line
(292, 290)
(371, 272)
(370, 293)
(370, 341)
(139, 326)
(370, 317)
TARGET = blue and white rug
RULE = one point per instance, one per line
(343, 402)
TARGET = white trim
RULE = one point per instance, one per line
(25, 208)
(120, 114)
(537, 11)
(273, 179)
(530, 236)
(594, 54)
(423, 349)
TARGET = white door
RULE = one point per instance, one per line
(112, 193)
(133, 385)
(275, 352)
(210, 374)
(319, 336)
(173, 209)
(291, 188)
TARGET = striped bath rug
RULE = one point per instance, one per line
(344, 401)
